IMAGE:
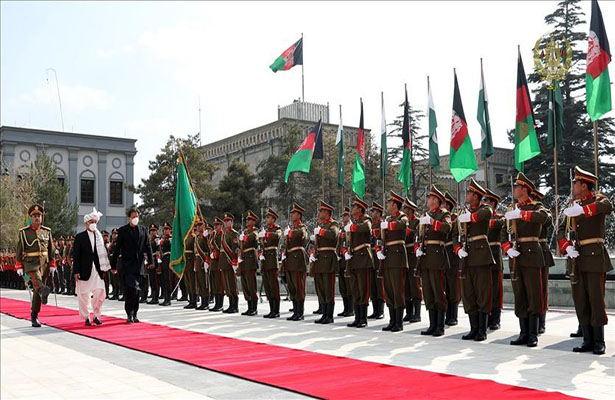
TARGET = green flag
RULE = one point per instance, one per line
(556, 111)
(597, 81)
(405, 169)
(462, 158)
(526, 141)
(434, 152)
(339, 142)
(383, 143)
(358, 173)
(486, 142)
(185, 217)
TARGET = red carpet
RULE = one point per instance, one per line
(305, 372)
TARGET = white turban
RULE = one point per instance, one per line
(103, 258)
(94, 215)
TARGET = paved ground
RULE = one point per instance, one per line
(550, 366)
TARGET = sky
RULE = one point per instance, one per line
(139, 69)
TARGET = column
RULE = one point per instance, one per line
(102, 200)
(130, 177)
(73, 156)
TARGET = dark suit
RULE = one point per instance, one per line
(83, 256)
(132, 244)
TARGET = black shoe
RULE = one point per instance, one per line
(578, 333)
(134, 318)
(399, 315)
(542, 324)
(329, 309)
(439, 324)
(153, 301)
(523, 335)
(268, 315)
(391, 324)
(532, 340)
(432, 323)
(35, 323)
(301, 306)
(349, 312)
(363, 316)
(165, 303)
(494, 325)
(588, 340)
(294, 311)
(409, 311)
(204, 306)
(190, 305)
(452, 310)
(357, 313)
(345, 310)
(87, 322)
(97, 321)
(482, 327)
(319, 311)
(473, 327)
(254, 310)
(599, 345)
(417, 311)
(249, 309)
(276, 309)
(129, 319)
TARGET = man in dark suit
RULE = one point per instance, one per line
(132, 244)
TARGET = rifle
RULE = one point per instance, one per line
(512, 235)
(571, 233)
(462, 229)
(417, 270)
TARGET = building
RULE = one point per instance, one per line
(97, 169)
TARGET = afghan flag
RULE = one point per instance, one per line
(358, 173)
(463, 160)
(383, 143)
(597, 82)
(339, 142)
(555, 117)
(405, 169)
(486, 142)
(526, 141)
(185, 217)
(434, 152)
(302, 159)
(289, 58)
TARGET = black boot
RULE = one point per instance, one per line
(380, 314)
(432, 323)
(235, 303)
(349, 312)
(191, 302)
(357, 314)
(389, 327)
(532, 340)
(524, 324)
(276, 309)
(229, 309)
(416, 303)
(454, 308)
(588, 340)
(482, 327)
(541, 323)
(295, 311)
(300, 305)
(330, 308)
(204, 304)
(473, 327)
(375, 312)
(268, 315)
(249, 309)
(599, 345)
(439, 324)
(254, 310)
(320, 310)
(398, 313)
(345, 303)
(494, 325)
(409, 311)
(363, 317)
(154, 299)
(35, 323)
(578, 333)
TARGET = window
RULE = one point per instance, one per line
(87, 190)
(61, 180)
(499, 178)
(116, 193)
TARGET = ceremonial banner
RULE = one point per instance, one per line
(358, 173)
(463, 160)
(302, 159)
(183, 221)
(289, 58)
(597, 81)
(526, 141)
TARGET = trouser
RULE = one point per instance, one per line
(528, 292)
(68, 278)
(360, 284)
(190, 278)
(106, 280)
(545, 288)
(57, 279)
(588, 296)
(497, 295)
(248, 285)
(144, 286)
(154, 283)
(413, 288)
(166, 281)
(394, 287)
(202, 284)
(296, 285)
(230, 283)
(477, 289)
(433, 289)
(37, 283)
(131, 300)
(271, 284)
(376, 287)
(217, 281)
(452, 284)
(325, 287)
(96, 303)
(344, 285)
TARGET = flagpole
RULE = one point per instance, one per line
(487, 173)
(302, 78)
(343, 160)
(430, 176)
(553, 105)
(382, 160)
(595, 128)
(482, 81)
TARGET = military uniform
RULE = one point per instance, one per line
(326, 264)
(229, 252)
(68, 269)
(59, 282)
(189, 274)
(201, 267)
(249, 265)
(413, 289)
(153, 271)
(549, 261)
(217, 279)
(270, 241)
(296, 264)
(343, 281)
(452, 283)
(590, 261)
(34, 259)
(116, 282)
(497, 235)
(166, 281)
(376, 290)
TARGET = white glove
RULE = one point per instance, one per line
(347, 256)
(241, 236)
(571, 252)
(462, 253)
(574, 211)
(20, 272)
(465, 217)
(239, 260)
(52, 270)
(512, 253)
(159, 261)
(419, 252)
(312, 258)
(206, 233)
(261, 234)
(317, 230)
(286, 231)
(384, 225)
(425, 220)
(262, 257)
(312, 238)
(195, 269)
(235, 267)
(211, 255)
(283, 256)
(157, 241)
(339, 258)
(513, 214)
(57, 251)
(347, 227)
(206, 266)
(380, 255)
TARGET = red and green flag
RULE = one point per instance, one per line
(526, 141)
(463, 159)
(184, 219)
(597, 82)
(358, 173)
(289, 58)
(311, 146)
(405, 169)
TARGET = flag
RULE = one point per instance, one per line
(405, 169)
(462, 158)
(597, 81)
(358, 173)
(184, 219)
(486, 142)
(339, 142)
(434, 152)
(383, 143)
(526, 141)
(302, 159)
(555, 102)
(289, 58)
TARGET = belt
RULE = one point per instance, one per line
(327, 249)
(294, 249)
(408, 245)
(443, 244)
(166, 254)
(528, 239)
(188, 251)
(477, 237)
(36, 254)
(437, 242)
(271, 248)
(361, 246)
(542, 240)
(394, 242)
(249, 249)
(495, 244)
(590, 241)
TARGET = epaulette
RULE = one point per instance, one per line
(24, 228)
(46, 228)
(600, 196)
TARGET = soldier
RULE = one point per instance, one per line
(497, 236)
(344, 282)
(270, 239)
(476, 260)
(59, 276)
(116, 279)
(189, 276)
(376, 291)
(229, 253)
(589, 257)
(248, 263)
(413, 290)
(325, 261)
(395, 262)
(358, 233)
(296, 260)
(68, 271)
(151, 280)
(165, 271)
(451, 275)
(526, 260)
(217, 279)
(34, 257)
(201, 265)
(105, 236)
(432, 260)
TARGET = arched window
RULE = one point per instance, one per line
(116, 189)
(86, 187)
(61, 176)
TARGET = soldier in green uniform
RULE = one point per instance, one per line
(376, 291)
(525, 256)
(201, 265)
(229, 253)
(34, 258)
(68, 270)
(59, 255)
(414, 292)
(325, 261)
(497, 236)
(189, 276)
(152, 270)
(476, 260)
(395, 261)
(358, 234)
(548, 257)
(165, 271)
(217, 279)
(590, 259)
(269, 237)
(343, 282)
(433, 260)
(296, 260)
(248, 263)
(116, 282)
(106, 278)
(451, 275)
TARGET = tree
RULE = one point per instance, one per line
(15, 194)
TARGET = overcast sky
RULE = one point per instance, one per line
(137, 69)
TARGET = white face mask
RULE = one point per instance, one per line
(92, 227)
(135, 221)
